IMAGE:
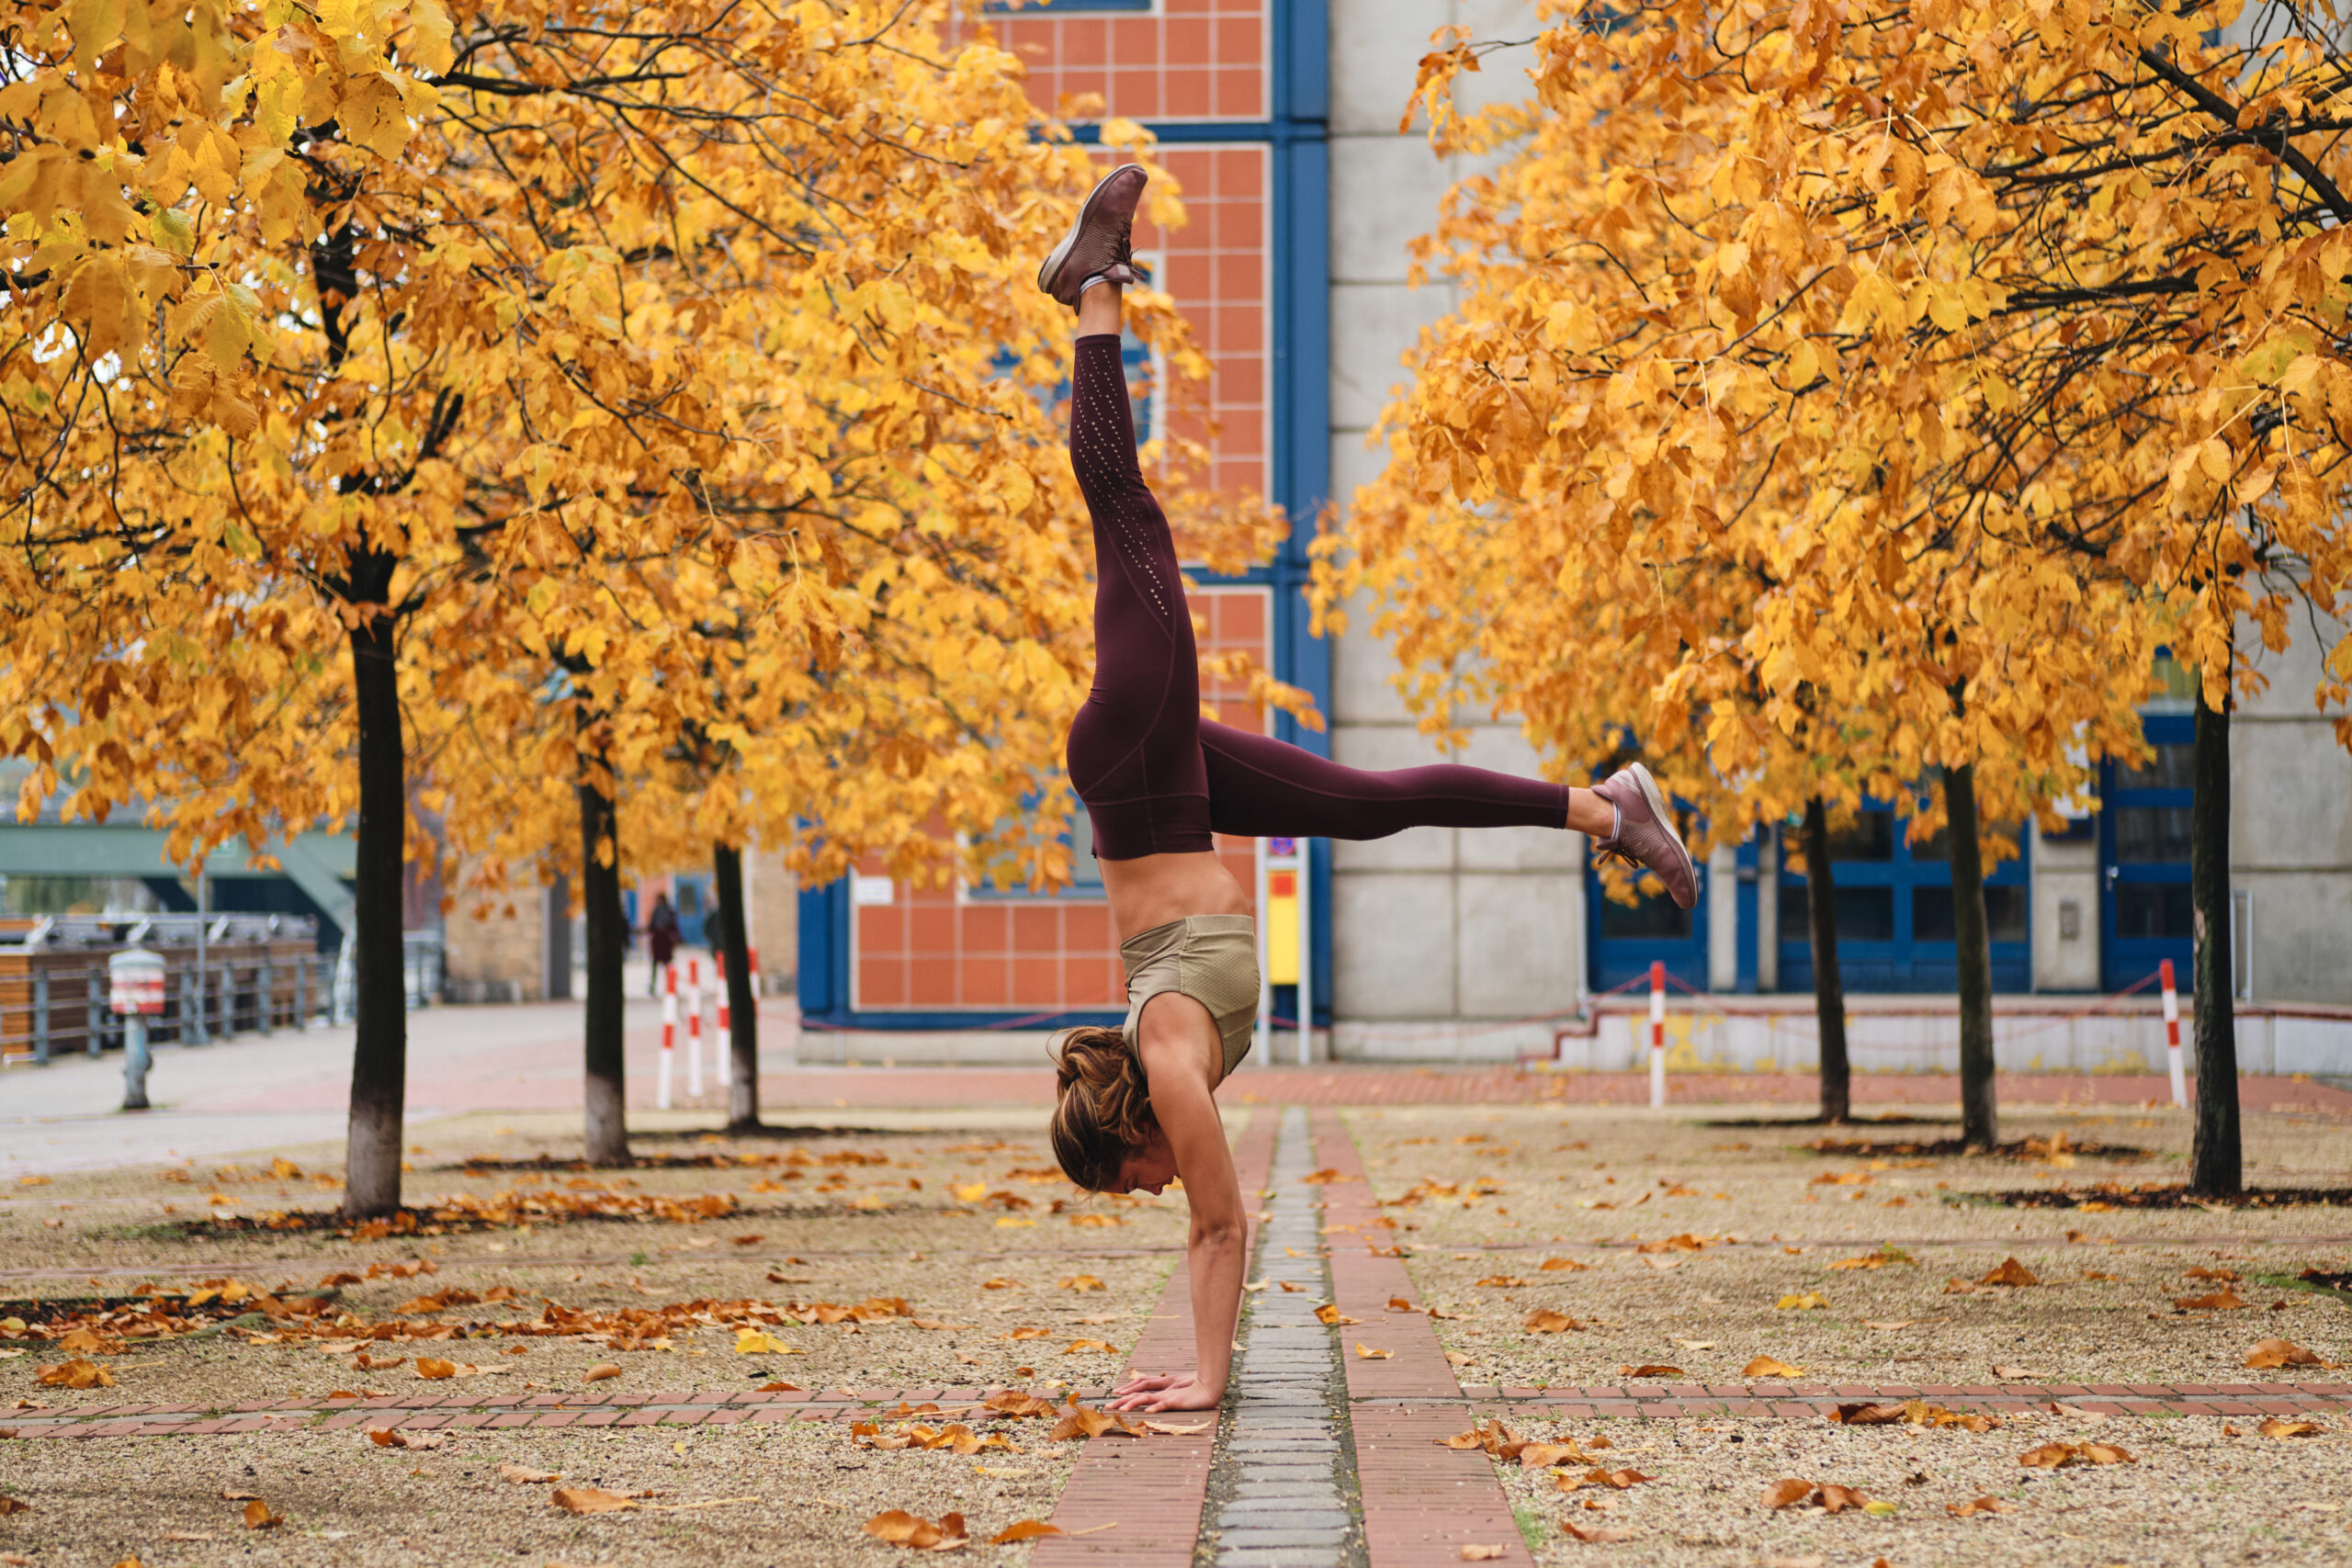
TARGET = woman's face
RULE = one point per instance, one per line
(1148, 1169)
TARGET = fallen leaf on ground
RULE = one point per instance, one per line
(589, 1500)
(518, 1473)
(1173, 1429)
(1504, 1281)
(759, 1342)
(1027, 1530)
(1887, 1324)
(1832, 1499)
(1554, 1265)
(1330, 1315)
(1542, 1456)
(1473, 1552)
(2268, 1353)
(901, 1529)
(1981, 1505)
(1803, 1301)
(2017, 1374)
(1911, 1413)
(2226, 1276)
(1649, 1370)
(1078, 1421)
(1026, 1331)
(1366, 1352)
(1543, 1320)
(2220, 1300)
(1766, 1367)
(1594, 1534)
(76, 1373)
(259, 1518)
(2055, 1456)
(434, 1367)
(1458, 1358)
(228, 1497)
(14, 1504)
(598, 1374)
(2010, 1272)
(392, 1438)
(1615, 1480)
(1782, 1493)
(1083, 1282)
(2274, 1427)
(1886, 1256)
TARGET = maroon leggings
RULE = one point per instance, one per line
(1156, 777)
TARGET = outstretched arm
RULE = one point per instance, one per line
(1186, 1109)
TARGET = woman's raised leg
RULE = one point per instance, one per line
(1261, 787)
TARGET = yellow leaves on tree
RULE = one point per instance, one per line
(1827, 403)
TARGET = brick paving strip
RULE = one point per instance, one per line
(1152, 1491)
(1422, 1502)
(1282, 1495)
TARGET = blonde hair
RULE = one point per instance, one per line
(1104, 1111)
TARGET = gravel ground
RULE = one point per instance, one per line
(1590, 1186)
(892, 1226)
(2192, 1496)
(346, 1501)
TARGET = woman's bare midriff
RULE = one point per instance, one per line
(1152, 890)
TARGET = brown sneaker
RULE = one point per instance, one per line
(1098, 244)
(1645, 835)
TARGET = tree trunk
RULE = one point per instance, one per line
(1829, 989)
(1980, 1122)
(2216, 1166)
(371, 1182)
(742, 1011)
(605, 1125)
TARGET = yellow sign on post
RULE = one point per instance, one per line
(1282, 928)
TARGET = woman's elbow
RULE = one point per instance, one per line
(1218, 1233)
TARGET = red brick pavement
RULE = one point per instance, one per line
(1154, 1491)
(1350, 1083)
(1422, 1502)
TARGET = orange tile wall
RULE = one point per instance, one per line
(932, 950)
(1185, 60)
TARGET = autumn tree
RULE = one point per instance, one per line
(356, 346)
(2038, 311)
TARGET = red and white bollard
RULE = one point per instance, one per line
(755, 974)
(693, 1028)
(725, 1041)
(669, 1034)
(2172, 1037)
(1657, 1034)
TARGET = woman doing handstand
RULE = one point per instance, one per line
(1136, 1104)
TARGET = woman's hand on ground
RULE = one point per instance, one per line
(1148, 1394)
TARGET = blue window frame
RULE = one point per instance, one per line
(1894, 913)
(2144, 852)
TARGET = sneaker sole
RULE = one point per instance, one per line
(1050, 273)
(1664, 814)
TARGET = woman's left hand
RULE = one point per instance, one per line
(1148, 1394)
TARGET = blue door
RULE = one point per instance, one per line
(2144, 852)
(1895, 912)
(691, 896)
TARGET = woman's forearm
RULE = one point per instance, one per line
(1215, 1261)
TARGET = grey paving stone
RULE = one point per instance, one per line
(1280, 1557)
(1283, 1535)
(1271, 1514)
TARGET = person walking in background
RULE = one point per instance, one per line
(1136, 1104)
(661, 938)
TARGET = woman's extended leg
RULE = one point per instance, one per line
(1133, 754)
(1261, 787)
